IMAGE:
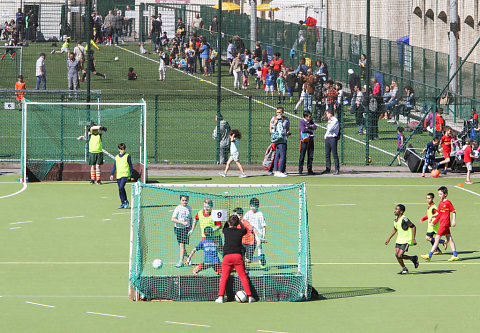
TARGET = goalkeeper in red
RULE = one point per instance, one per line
(124, 169)
(406, 236)
(442, 215)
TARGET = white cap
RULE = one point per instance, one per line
(350, 71)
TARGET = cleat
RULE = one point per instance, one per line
(121, 206)
(251, 299)
(453, 258)
(92, 182)
(415, 261)
(426, 257)
(404, 271)
(180, 264)
(220, 299)
(99, 182)
(468, 182)
(126, 204)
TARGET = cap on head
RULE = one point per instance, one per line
(238, 210)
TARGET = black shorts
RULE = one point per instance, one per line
(95, 158)
(182, 235)
(431, 234)
(403, 247)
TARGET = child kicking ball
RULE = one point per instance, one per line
(406, 236)
(210, 253)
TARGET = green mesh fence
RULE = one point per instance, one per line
(285, 275)
(55, 133)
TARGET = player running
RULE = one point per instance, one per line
(406, 237)
(432, 230)
(442, 215)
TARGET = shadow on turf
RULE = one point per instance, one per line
(339, 292)
(435, 271)
(172, 180)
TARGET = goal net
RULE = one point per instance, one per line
(55, 144)
(11, 59)
(280, 271)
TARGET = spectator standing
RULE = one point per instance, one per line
(224, 139)
(108, 25)
(80, 54)
(20, 24)
(118, 27)
(353, 80)
(236, 70)
(41, 72)
(357, 108)
(239, 45)
(393, 101)
(204, 56)
(197, 23)
(213, 27)
(278, 65)
(257, 53)
(279, 132)
(306, 127)
(308, 89)
(331, 139)
(72, 73)
(231, 52)
(128, 23)
(362, 62)
(181, 31)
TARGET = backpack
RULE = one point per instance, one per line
(279, 133)
(269, 157)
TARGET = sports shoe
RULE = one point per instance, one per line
(426, 257)
(444, 172)
(180, 264)
(99, 182)
(223, 174)
(415, 261)
(53, 51)
(126, 204)
(221, 299)
(453, 258)
(251, 299)
(423, 175)
(104, 76)
(243, 175)
(469, 182)
(403, 271)
(92, 182)
(270, 173)
(121, 206)
(280, 174)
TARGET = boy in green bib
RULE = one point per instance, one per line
(405, 230)
(124, 169)
(432, 229)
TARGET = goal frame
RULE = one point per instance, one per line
(303, 266)
(143, 128)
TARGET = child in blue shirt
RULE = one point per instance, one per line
(269, 80)
(210, 253)
(234, 136)
(430, 151)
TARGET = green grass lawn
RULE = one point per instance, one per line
(181, 110)
(72, 254)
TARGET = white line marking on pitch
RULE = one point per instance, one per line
(106, 219)
(106, 314)
(21, 222)
(45, 305)
(392, 263)
(270, 331)
(422, 296)
(463, 189)
(69, 217)
(120, 213)
(63, 263)
(177, 323)
(18, 192)
(65, 296)
(15, 228)
(333, 205)
(413, 203)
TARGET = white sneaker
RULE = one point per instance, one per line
(243, 175)
(222, 174)
(251, 299)
(180, 264)
(391, 120)
(270, 173)
(220, 299)
(281, 174)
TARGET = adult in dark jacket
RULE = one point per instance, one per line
(353, 80)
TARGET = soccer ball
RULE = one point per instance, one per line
(117, 59)
(241, 296)
(476, 154)
(157, 263)
(435, 173)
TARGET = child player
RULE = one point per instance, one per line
(406, 236)
(442, 215)
(248, 241)
(429, 152)
(256, 219)
(446, 142)
(123, 167)
(20, 85)
(204, 219)
(182, 217)
(468, 159)
(432, 229)
(95, 152)
(162, 64)
(210, 253)
(234, 136)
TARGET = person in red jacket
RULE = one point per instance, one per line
(446, 142)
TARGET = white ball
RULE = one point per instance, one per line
(476, 154)
(117, 58)
(157, 263)
(241, 296)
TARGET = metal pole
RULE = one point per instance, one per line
(88, 39)
(453, 39)
(219, 75)
(369, 119)
(250, 129)
(253, 24)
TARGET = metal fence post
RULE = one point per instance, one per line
(342, 137)
(250, 129)
(156, 129)
(140, 22)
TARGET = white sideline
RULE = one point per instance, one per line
(270, 331)
(334, 205)
(106, 314)
(21, 222)
(69, 217)
(18, 192)
(177, 323)
(260, 102)
(463, 189)
(45, 305)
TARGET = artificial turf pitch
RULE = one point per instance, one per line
(72, 254)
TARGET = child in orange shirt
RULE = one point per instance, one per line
(20, 85)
